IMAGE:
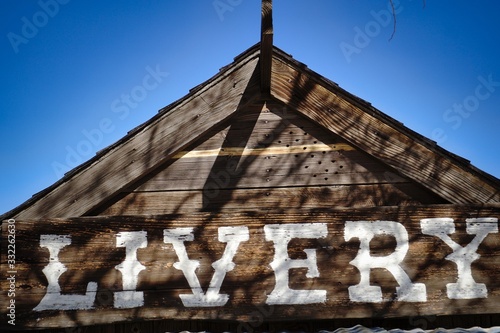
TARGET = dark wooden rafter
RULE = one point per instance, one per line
(266, 46)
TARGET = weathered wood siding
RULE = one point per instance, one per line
(92, 255)
(264, 144)
(269, 159)
(375, 133)
(152, 143)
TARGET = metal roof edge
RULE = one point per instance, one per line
(363, 329)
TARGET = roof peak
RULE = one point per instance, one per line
(238, 86)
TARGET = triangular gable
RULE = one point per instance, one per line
(269, 159)
(233, 92)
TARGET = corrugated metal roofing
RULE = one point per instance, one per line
(362, 329)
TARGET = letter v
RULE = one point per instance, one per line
(233, 236)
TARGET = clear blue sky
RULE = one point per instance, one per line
(67, 65)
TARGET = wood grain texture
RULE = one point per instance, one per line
(276, 153)
(93, 255)
(269, 156)
(309, 197)
(266, 46)
(366, 128)
(157, 142)
(232, 99)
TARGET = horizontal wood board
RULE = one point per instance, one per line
(281, 198)
(93, 256)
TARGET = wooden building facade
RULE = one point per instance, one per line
(268, 198)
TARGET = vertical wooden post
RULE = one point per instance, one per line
(266, 46)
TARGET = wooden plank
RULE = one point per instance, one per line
(266, 46)
(214, 198)
(320, 268)
(162, 138)
(363, 126)
(268, 168)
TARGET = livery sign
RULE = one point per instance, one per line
(379, 262)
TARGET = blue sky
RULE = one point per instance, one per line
(69, 65)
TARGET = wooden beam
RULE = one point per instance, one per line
(266, 46)
(298, 265)
(157, 141)
(368, 129)
(277, 199)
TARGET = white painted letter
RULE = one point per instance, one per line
(465, 287)
(53, 299)
(233, 236)
(130, 269)
(281, 234)
(364, 292)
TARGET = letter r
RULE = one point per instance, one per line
(364, 262)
